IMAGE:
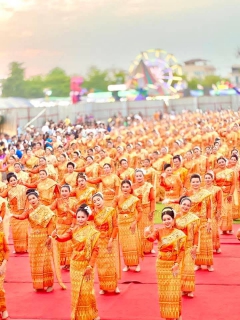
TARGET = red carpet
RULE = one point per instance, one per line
(216, 298)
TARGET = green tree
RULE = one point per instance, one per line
(58, 82)
(34, 87)
(14, 85)
(208, 81)
(193, 83)
(96, 79)
(117, 76)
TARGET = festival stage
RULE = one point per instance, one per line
(216, 297)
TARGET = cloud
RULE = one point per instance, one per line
(75, 34)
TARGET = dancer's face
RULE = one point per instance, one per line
(195, 183)
(33, 200)
(167, 221)
(70, 168)
(107, 169)
(168, 171)
(13, 182)
(17, 168)
(124, 164)
(98, 202)
(81, 182)
(65, 193)
(208, 179)
(139, 177)
(185, 206)
(221, 163)
(81, 218)
(42, 175)
(126, 188)
(176, 163)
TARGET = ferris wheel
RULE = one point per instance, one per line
(156, 69)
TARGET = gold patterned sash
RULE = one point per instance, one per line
(89, 235)
(172, 238)
(41, 216)
(18, 192)
(144, 190)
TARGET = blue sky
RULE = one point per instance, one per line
(75, 34)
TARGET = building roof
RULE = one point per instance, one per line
(12, 102)
(193, 61)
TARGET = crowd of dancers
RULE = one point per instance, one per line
(75, 202)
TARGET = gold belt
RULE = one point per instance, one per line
(167, 256)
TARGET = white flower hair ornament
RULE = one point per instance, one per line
(88, 209)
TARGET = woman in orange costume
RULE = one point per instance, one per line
(65, 208)
(129, 215)
(61, 166)
(16, 195)
(169, 264)
(71, 176)
(50, 157)
(4, 256)
(157, 164)
(189, 164)
(29, 160)
(173, 186)
(105, 221)
(189, 224)
(84, 239)
(225, 179)
(21, 175)
(125, 172)
(201, 162)
(91, 169)
(217, 199)
(76, 158)
(82, 192)
(8, 156)
(104, 158)
(10, 166)
(145, 193)
(47, 188)
(110, 184)
(178, 170)
(233, 164)
(41, 221)
(49, 168)
(201, 206)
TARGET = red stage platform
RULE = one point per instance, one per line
(216, 297)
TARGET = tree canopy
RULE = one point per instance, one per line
(58, 82)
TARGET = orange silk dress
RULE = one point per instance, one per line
(127, 174)
(225, 179)
(108, 263)
(201, 206)
(110, 187)
(217, 200)
(61, 169)
(4, 255)
(146, 194)
(64, 221)
(173, 189)
(188, 223)
(129, 210)
(85, 251)
(171, 248)
(17, 201)
(42, 225)
(84, 195)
